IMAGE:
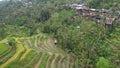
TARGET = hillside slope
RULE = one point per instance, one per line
(40, 51)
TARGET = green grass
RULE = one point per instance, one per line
(16, 62)
(3, 48)
(44, 59)
(8, 54)
(51, 59)
(28, 58)
(57, 60)
(34, 60)
(27, 43)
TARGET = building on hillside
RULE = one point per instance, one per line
(106, 11)
(109, 21)
(74, 5)
(79, 5)
(28, 4)
(93, 10)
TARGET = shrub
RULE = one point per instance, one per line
(103, 63)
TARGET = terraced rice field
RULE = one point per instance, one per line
(3, 48)
(34, 52)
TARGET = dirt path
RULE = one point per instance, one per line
(53, 62)
(70, 65)
(47, 47)
(30, 43)
(39, 61)
(51, 43)
(63, 65)
(47, 63)
(35, 43)
(19, 49)
(38, 38)
(68, 62)
(50, 46)
(60, 62)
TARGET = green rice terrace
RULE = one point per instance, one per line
(34, 52)
(4, 48)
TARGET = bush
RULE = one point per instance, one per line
(103, 63)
